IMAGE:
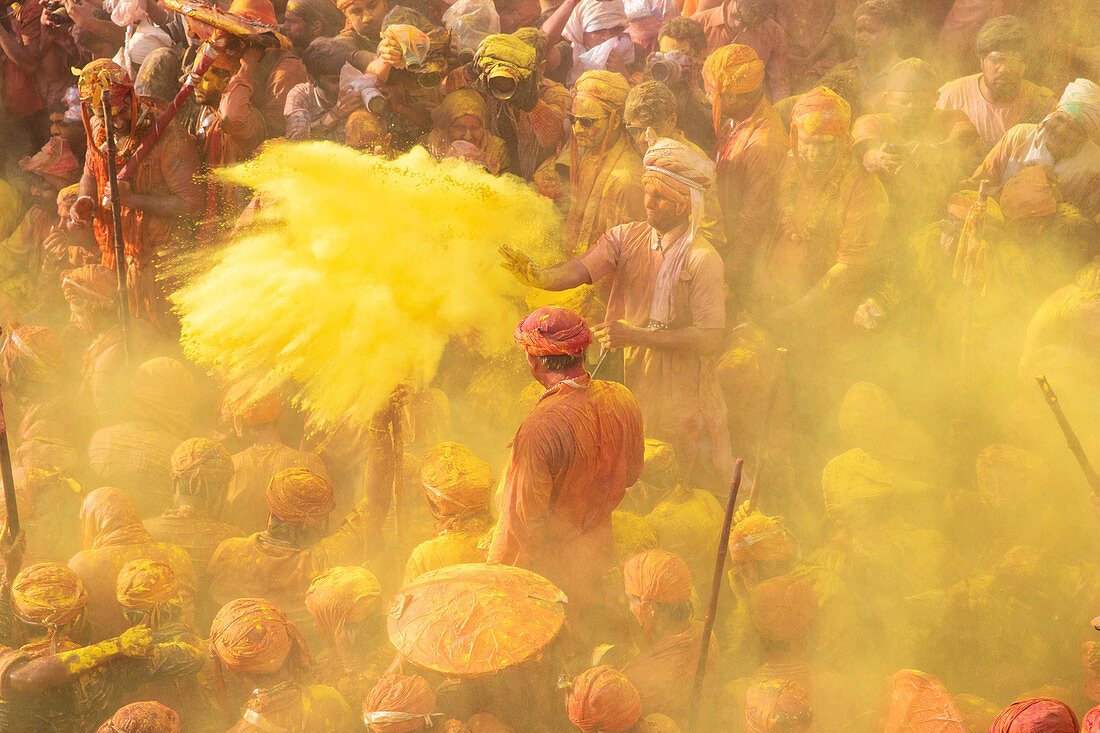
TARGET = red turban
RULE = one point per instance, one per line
(777, 705)
(399, 704)
(603, 699)
(552, 331)
(1036, 715)
(821, 111)
(1091, 722)
(143, 717)
(244, 405)
(916, 702)
(782, 607)
(300, 497)
(252, 636)
(47, 594)
(656, 576)
(99, 76)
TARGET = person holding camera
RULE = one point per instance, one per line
(681, 49)
(319, 108)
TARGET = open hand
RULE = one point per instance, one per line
(520, 265)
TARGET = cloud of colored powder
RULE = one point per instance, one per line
(358, 271)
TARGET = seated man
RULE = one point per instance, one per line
(999, 96)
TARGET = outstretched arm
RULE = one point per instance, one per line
(562, 276)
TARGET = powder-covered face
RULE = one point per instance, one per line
(590, 121)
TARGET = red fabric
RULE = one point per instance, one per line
(47, 594)
(1091, 722)
(143, 717)
(822, 111)
(55, 162)
(1036, 715)
(300, 497)
(603, 699)
(916, 702)
(252, 636)
(409, 697)
(773, 706)
(552, 330)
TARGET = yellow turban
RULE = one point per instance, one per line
(606, 87)
(735, 69)
(821, 111)
(456, 482)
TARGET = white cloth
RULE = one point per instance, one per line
(1081, 101)
(590, 16)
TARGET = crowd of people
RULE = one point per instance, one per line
(836, 239)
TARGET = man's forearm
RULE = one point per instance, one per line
(564, 276)
(16, 51)
(702, 341)
(165, 206)
(46, 673)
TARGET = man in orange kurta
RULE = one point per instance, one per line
(750, 151)
(570, 464)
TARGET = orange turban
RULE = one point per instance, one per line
(733, 69)
(341, 595)
(143, 584)
(760, 538)
(300, 497)
(656, 576)
(399, 704)
(1091, 722)
(95, 285)
(109, 517)
(821, 111)
(456, 482)
(261, 11)
(143, 717)
(243, 405)
(782, 607)
(1036, 715)
(918, 702)
(252, 636)
(1028, 195)
(552, 331)
(47, 594)
(603, 699)
(608, 88)
(99, 76)
(202, 458)
(777, 705)
(32, 353)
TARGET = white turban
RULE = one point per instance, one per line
(1081, 101)
(593, 15)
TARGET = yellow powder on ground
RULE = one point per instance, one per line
(359, 271)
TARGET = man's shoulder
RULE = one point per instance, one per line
(711, 18)
(955, 90)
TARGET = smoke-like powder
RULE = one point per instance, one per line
(358, 271)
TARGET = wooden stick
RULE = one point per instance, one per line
(6, 475)
(1071, 437)
(715, 587)
(116, 221)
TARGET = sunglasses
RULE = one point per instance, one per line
(585, 122)
(635, 130)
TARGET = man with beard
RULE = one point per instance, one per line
(999, 97)
(306, 20)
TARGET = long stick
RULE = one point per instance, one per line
(599, 364)
(715, 587)
(1071, 437)
(116, 219)
(5, 475)
(398, 433)
(762, 440)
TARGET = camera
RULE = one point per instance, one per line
(669, 67)
(56, 13)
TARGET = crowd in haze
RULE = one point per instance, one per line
(839, 240)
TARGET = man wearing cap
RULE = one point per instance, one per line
(666, 307)
(604, 171)
(280, 562)
(570, 463)
(749, 153)
(1063, 141)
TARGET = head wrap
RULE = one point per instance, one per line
(55, 163)
(300, 497)
(593, 15)
(47, 594)
(456, 482)
(252, 636)
(458, 104)
(1036, 715)
(659, 465)
(142, 584)
(244, 405)
(159, 75)
(33, 354)
(912, 75)
(29, 481)
(733, 69)
(777, 705)
(342, 595)
(99, 76)
(1081, 103)
(399, 704)
(759, 538)
(260, 11)
(109, 518)
(658, 723)
(781, 608)
(509, 50)
(603, 699)
(67, 196)
(143, 717)
(202, 459)
(1028, 194)
(821, 111)
(868, 418)
(326, 11)
(681, 172)
(552, 331)
(94, 284)
(1091, 722)
(915, 701)
(162, 391)
(1004, 33)
(607, 88)
(656, 576)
